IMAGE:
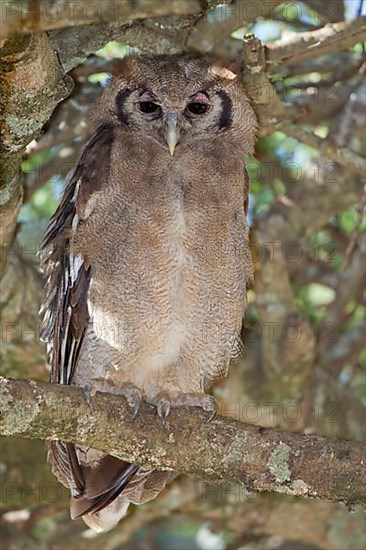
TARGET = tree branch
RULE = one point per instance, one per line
(31, 85)
(344, 156)
(222, 451)
(210, 28)
(298, 47)
(36, 15)
(287, 54)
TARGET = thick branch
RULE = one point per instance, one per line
(31, 85)
(222, 451)
(42, 15)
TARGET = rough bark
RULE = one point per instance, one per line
(223, 450)
(32, 83)
(35, 15)
(295, 48)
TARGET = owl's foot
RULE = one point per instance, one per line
(87, 392)
(127, 390)
(165, 401)
(133, 396)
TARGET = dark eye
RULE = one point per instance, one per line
(196, 108)
(148, 107)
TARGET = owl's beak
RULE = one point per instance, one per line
(172, 133)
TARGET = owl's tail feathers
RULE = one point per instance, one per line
(102, 485)
(144, 486)
(106, 519)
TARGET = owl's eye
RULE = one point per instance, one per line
(148, 107)
(196, 108)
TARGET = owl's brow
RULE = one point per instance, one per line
(146, 95)
(200, 96)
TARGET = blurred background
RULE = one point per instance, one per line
(303, 362)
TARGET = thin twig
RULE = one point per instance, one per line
(298, 47)
(326, 148)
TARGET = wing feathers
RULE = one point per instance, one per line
(94, 483)
(66, 318)
(68, 275)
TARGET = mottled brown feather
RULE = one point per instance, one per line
(66, 318)
(157, 247)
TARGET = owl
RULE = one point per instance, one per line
(147, 260)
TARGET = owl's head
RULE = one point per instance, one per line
(179, 98)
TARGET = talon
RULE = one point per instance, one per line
(132, 394)
(212, 407)
(135, 410)
(87, 392)
(133, 397)
(163, 408)
(212, 415)
(134, 401)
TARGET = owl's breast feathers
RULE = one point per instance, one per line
(170, 272)
(147, 262)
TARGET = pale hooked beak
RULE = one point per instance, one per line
(172, 132)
